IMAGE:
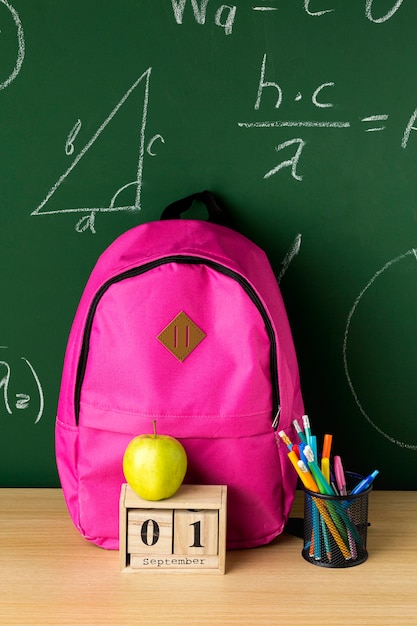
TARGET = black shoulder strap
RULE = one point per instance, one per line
(216, 213)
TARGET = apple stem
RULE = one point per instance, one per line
(154, 427)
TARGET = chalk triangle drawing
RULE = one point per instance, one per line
(88, 220)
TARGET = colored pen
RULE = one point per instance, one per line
(331, 526)
(335, 489)
(340, 475)
(299, 431)
(341, 485)
(365, 483)
(333, 481)
(306, 477)
(325, 488)
(316, 532)
(327, 446)
(325, 456)
(325, 468)
(307, 429)
(326, 539)
(309, 483)
(313, 445)
(285, 439)
(320, 479)
(302, 455)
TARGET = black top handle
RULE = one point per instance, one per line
(216, 213)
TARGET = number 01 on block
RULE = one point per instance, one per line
(184, 533)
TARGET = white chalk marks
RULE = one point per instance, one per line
(387, 364)
(369, 11)
(20, 46)
(292, 252)
(87, 221)
(225, 14)
(321, 99)
(293, 162)
(13, 377)
(69, 144)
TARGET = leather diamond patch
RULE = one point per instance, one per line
(181, 336)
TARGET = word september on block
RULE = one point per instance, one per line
(186, 532)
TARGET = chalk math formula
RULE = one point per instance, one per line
(321, 99)
(225, 14)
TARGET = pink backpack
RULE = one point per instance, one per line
(181, 321)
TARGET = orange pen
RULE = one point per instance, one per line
(325, 456)
(327, 445)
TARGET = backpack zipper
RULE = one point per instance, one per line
(192, 260)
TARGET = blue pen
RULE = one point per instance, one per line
(365, 483)
(303, 457)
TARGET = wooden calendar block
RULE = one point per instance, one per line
(186, 532)
(150, 531)
(196, 532)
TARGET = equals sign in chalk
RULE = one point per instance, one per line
(375, 118)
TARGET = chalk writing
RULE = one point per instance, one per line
(315, 99)
(375, 118)
(293, 123)
(408, 129)
(292, 252)
(315, 13)
(152, 141)
(369, 11)
(88, 220)
(389, 264)
(318, 8)
(69, 145)
(18, 401)
(20, 45)
(225, 15)
(264, 8)
(372, 123)
(293, 162)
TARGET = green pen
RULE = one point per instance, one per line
(319, 477)
(299, 431)
(325, 489)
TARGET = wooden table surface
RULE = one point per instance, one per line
(51, 575)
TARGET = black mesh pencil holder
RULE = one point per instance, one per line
(335, 527)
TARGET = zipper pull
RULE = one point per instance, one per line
(276, 419)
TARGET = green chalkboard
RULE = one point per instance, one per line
(300, 115)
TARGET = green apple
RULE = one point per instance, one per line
(154, 465)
